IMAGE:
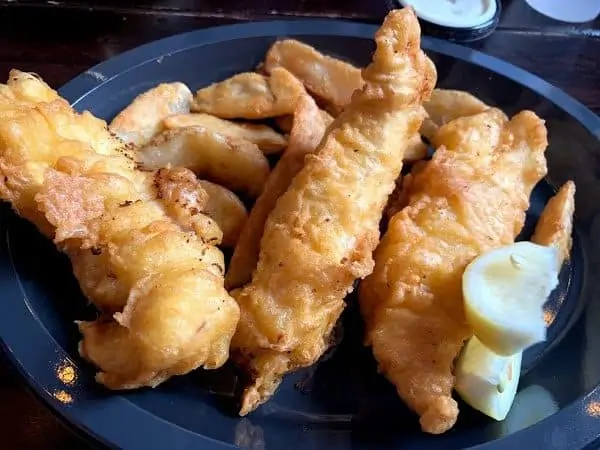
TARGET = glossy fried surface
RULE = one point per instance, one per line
(555, 227)
(306, 134)
(320, 236)
(471, 197)
(139, 243)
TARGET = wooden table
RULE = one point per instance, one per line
(59, 39)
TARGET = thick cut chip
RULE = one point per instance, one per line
(235, 163)
(250, 96)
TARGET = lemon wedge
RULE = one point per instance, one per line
(487, 381)
(504, 293)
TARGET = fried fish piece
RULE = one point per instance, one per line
(415, 151)
(320, 236)
(555, 227)
(307, 132)
(66, 173)
(226, 209)
(250, 95)
(235, 163)
(142, 119)
(331, 80)
(267, 139)
(446, 105)
(470, 198)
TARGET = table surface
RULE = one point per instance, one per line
(32, 39)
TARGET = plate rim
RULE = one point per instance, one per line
(581, 429)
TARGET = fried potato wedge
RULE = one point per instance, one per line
(142, 119)
(185, 198)
(331, 80)
(306, 134)
(446, 105)
(226, 209)
(416, 149)
(285, 123)
(267, 139)
(235, 163)
(250, 95)
(555, 227)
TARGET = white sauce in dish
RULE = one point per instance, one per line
(454, 13)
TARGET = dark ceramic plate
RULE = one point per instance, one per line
(342, 404)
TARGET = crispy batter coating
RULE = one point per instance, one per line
(320, 236)
(138, 242)
(470, 198)
(306, 134)
(555, 227)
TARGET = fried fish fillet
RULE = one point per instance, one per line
(250, 96)
(142, 119)
(307, 132)
(320, 236)
(555, 227)
(331, 80)
(138, 242)
(267, 139)
(470, 198)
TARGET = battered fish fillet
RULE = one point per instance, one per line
(138, 242)
(307, 132)
(470, 198)
(320, 236)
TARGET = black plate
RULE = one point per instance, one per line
(343, 404)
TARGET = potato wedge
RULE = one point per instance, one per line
(226, 209)
(416, 149)
(183, 195)
(267, 139)
(235, 163)
(285, 123)
(555, 227)
(331, 80)
(446, 105)
(142, 119)
(250, 95)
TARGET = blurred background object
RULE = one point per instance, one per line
(575, 11)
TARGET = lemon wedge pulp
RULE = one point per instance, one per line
(487, 381)
(504, 292)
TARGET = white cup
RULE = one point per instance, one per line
(574, 11)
